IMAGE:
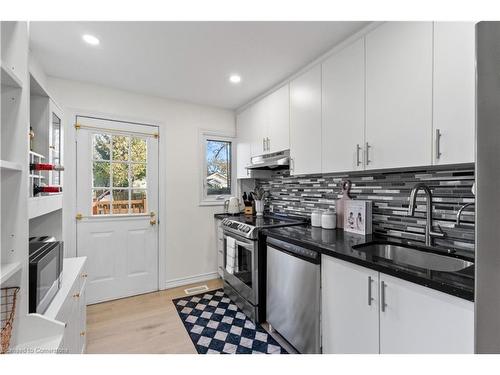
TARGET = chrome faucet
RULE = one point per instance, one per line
(429, 233)
(459, 213)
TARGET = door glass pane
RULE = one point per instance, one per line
(101, 199)
(120, 201)
(139, 175)
(119, 172)
(138, 150)
(100, 174)
(120, 147)
(101, 147)
(120, 175)
(218, 174)
(55, 149)
(138, 202)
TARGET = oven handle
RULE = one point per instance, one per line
(246, 245)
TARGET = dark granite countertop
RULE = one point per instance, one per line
(339, 244)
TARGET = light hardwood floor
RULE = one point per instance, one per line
(147, 323)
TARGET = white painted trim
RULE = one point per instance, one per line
(174, 283)
(359, 34)
(69, 205)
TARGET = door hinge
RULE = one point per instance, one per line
(79, 216)
(77, 126)
(156, 135)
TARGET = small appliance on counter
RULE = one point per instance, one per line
(232, 206)
(46, 256)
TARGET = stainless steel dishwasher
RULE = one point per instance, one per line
(293, 294)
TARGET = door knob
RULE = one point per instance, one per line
(152, 221)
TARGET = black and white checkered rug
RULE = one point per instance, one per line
(216, 325)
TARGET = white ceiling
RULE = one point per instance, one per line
(185, 60)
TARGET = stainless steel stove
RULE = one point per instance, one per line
(244, 256)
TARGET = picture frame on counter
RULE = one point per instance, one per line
(358, 217)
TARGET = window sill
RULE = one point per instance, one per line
(212, 203)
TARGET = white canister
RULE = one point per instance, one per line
(316, 218)
(329, 220)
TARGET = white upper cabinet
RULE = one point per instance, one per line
(454, 92)
(343, 106)
(418, 320)
(305, 122)
(278, 105)
(349, 309)
(243, 142)
(259, 124)
(399, 95)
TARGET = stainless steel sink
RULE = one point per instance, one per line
(414, 257)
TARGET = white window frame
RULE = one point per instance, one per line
(205, 200)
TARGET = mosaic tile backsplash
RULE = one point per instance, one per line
(389, 193)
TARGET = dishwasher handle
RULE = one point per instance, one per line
(300, 252)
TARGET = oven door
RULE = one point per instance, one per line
(45, 270)
(241, 271)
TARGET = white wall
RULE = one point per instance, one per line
(188, 227)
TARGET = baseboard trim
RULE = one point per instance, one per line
(191, 280)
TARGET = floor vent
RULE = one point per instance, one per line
(196, 289)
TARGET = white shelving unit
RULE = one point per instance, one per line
(10, 166)
(9, 77)
(8, 270)
(27, 216)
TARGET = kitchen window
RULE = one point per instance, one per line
(217, 169)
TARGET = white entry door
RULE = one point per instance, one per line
(117, 205)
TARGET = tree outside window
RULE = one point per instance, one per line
(218, 167)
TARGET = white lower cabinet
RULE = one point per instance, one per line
(349, 316)
(219, 240)
(402, 317)
(417, 319)
(70, 304)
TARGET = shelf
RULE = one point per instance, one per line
(9, 78)
(37, 155)
(38, 206)
(8, 165)
(36, 176)
(37, 334)
(7, 270)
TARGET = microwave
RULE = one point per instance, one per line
(45, 272)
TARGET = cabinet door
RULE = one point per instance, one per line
(350, 319)
(259, 124)
(243, 142)
(454, 92)
(279, 119)
(416, 319)
(399, 95)
(343, 123)
(82, 320)
(305, 122)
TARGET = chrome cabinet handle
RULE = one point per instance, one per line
(367, 154)
(438, 144)
(383, 305)
(268, 144)
(263, 144)
(358, 149)
(370, 298)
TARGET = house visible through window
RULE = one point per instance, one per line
(217, 169)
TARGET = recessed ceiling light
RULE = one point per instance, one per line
(235, 78)
(90, 39)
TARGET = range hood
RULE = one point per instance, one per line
(275, 161)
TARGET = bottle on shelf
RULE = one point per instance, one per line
(32, 137)
(45, 167)
(37, 189)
